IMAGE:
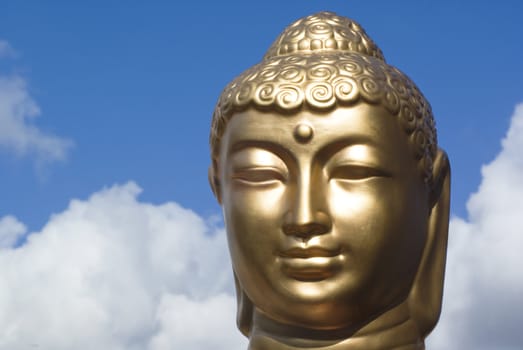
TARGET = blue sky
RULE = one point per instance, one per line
(134, 86)
(126, 91)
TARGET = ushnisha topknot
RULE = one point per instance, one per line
(323, 31)
(320, 62)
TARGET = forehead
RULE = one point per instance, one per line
(362, 124)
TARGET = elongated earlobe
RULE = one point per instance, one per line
(426, 294)
(244, 310)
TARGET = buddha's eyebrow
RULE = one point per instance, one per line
(269, 146)
(332, 148)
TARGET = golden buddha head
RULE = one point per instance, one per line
(333, 189)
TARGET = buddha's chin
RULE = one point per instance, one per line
(317, 283)
(335, 302)
(315, 304)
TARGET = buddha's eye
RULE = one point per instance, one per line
(258, 175)
(356, 172)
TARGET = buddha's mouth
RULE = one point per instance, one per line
(310, 252)
(310, 264)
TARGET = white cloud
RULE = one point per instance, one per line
(17, 112)
(114, 273)
(184, 324)
(10, 230)
(483, 301)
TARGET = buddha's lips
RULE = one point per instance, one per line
(310, 252)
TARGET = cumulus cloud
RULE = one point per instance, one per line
(114, 273)
(483, 301)
(17, 113)
(10, 231)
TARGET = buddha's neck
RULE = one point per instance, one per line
(392, 330)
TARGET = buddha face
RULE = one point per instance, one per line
(326, 214)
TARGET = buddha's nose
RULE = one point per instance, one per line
(307, 216)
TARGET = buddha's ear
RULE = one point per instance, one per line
(426, 294)
(215, 184)
(245, 309)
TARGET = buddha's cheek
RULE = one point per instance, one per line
(253, 218)
(381, 235)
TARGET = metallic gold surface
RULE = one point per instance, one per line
(303, 132)
(334, 193)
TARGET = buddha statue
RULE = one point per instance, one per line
(334, 193)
